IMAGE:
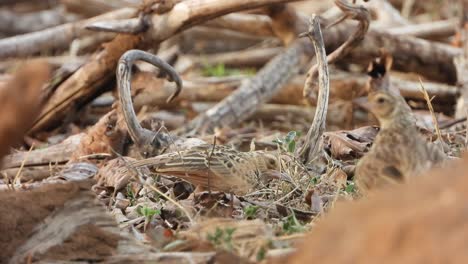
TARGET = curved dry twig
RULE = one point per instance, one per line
(355, 12)
(310, 149)
(148, 142)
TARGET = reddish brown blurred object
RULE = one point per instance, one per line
(20, 102)
(419, 222)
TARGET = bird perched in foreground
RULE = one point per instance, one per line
(399, 152)
(220, 168)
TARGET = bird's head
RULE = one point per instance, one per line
(270, 162)
(388, 107)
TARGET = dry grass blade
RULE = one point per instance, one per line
(431, 109)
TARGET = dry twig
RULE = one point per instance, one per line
(148, 142)
(313, 140)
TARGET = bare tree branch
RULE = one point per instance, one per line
(313, 139)
(147, 141)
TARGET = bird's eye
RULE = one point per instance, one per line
(380, 100)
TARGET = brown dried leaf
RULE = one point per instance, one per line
(106, 137)
(345, 145)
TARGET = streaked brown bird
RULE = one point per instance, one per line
(399, 151)
(222, 168)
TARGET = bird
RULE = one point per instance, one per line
(399, 152)
(217, 167)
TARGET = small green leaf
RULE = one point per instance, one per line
(147, 211)
(314, 180)
(230, 231)
(261, 254)
(290, 136)
(292, 225)
(350, 188)
(250, 211)
(292, 146)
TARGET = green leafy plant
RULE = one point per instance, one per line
(147, 212)
(288, 143)
(291, 225)
(130, 194)
(261, 254)
(314, 180)
(250, 211)
(222, 238)
(350, 187)
(220, 70)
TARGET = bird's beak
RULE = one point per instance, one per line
(363, 102)
(279, 176)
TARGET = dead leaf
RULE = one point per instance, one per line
(345, 145)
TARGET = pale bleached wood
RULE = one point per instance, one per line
(88, 80)
(58, 37)
(12, 23)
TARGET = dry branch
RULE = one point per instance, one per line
(90, 8)
(358, 13)
(150, 91)
(203, 39)
(243, 58)
(251, 94)
(461, 63)
(311, 147)
(87, 81)
(147, 141)
(12, 23)
(387, 15)
(56, 154)
(313, 140)
(430, 30)
(55, 38)
(243, 23)
(432, 60)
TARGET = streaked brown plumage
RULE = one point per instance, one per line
(399, 151)
(222, 169)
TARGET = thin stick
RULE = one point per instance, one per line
(310, 149)
(431, 109)
(148, 142)
(171, 200)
